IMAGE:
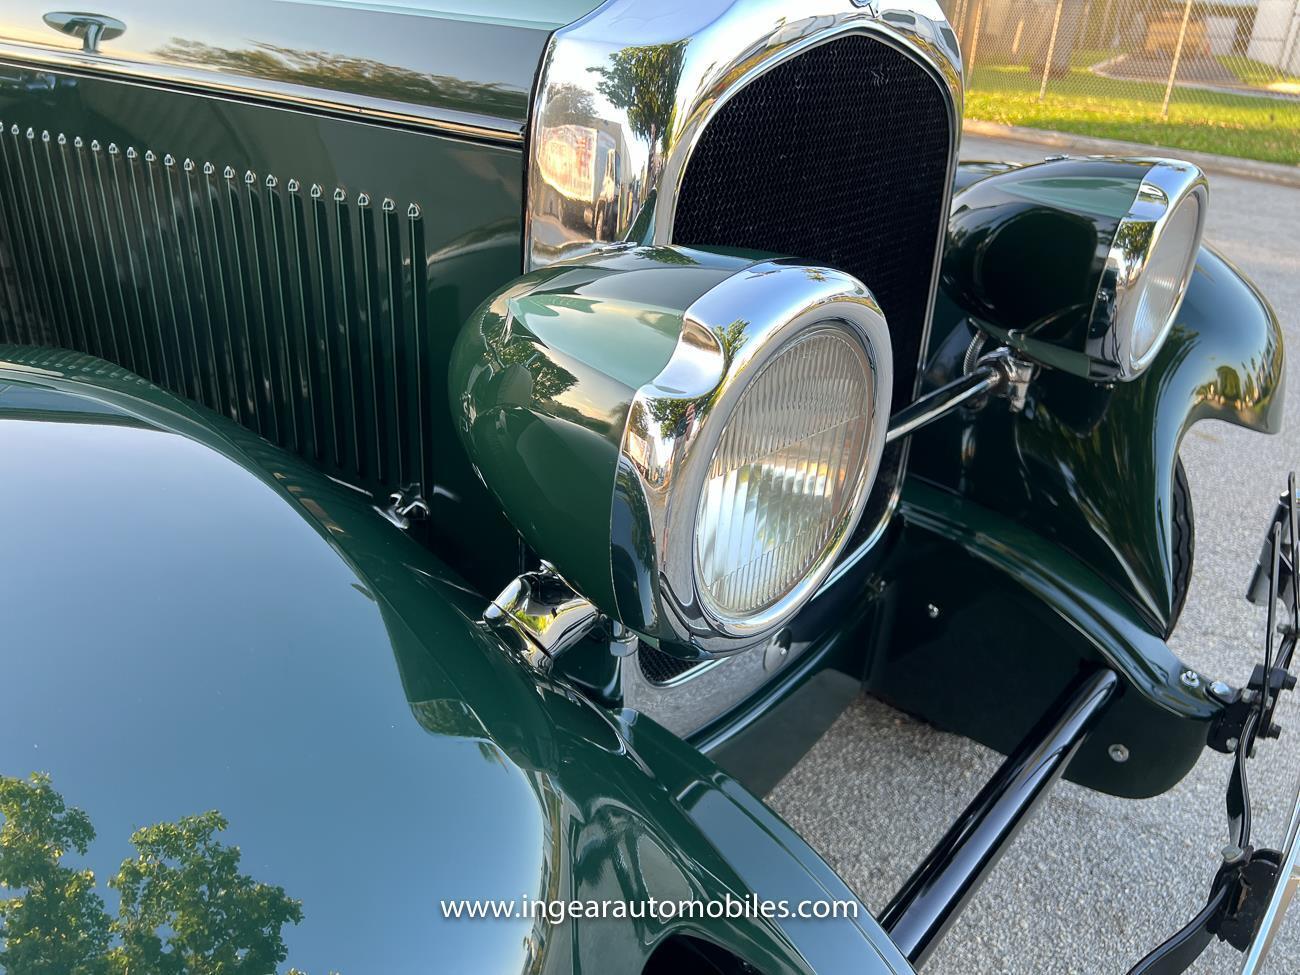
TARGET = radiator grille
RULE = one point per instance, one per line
(838, 156)
(658, 667)
(295, 310)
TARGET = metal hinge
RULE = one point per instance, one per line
(542, 616)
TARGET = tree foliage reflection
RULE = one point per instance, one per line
(185, 908)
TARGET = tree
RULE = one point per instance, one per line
(185, 908)
(217, 920)
(642, 82)
(57, 926)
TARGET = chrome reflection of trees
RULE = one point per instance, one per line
(675, 415)
(185, 908)
(642, 82)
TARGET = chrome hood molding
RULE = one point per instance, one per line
(624, 94)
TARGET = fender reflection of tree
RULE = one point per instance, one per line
(58, 927)
(185, 907)
(549, 380)
(670, 255)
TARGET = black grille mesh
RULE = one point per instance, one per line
(838, 156)
(658, 667)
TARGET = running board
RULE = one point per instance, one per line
(922, 911)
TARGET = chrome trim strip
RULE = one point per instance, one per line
(856, 555)
(686, 676)
(480, 128)
(698, 696)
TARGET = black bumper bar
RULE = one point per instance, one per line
(935, 894)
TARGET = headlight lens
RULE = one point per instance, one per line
(749, 476)
(786, 475)
(1163, 282)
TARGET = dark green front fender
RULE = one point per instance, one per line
(1091, 467)
(194, 619)
(1040, 543)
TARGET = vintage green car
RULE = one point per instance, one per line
(456, 456)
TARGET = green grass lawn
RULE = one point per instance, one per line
(1230, 125)
(1257, 74)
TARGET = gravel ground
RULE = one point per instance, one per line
(1093, 882)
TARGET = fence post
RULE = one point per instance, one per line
(1178, 54)
(1051, 48)
(974, 42)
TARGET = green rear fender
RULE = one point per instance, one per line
(197, 620)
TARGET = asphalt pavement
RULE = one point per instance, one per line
(1094, 882)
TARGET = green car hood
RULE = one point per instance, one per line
(464, 64)
(195, 621)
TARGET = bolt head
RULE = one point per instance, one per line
(1118, 753)
(777, 650)
(1220, 689)
(1191, 678)
(932, 611)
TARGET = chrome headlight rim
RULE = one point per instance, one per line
(1166, 187)
(777, 303)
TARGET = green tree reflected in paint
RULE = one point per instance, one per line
(58, 926)
(184, 906)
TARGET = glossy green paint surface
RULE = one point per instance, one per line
(1053, 467)
(460, 61)
(542, 381)
(999, 653)
(196, 619)
(304, 275)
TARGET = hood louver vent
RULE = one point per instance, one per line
(295, 310)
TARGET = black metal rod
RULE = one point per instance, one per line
(935, 894)
(942, 401)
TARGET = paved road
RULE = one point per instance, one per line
(1093, 881)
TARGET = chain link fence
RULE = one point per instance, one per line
(1220, 76)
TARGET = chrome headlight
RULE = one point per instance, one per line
(754, 479)
(1149, 266)
(1079, 264)
(703, 503)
